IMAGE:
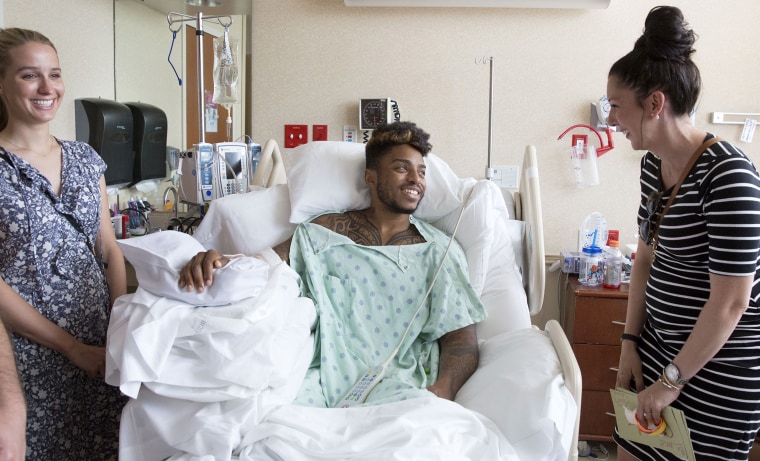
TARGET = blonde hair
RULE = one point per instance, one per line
(387, 136)
(10, 39)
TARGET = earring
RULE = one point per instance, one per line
(656, 117)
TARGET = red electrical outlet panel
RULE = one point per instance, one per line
(295, 135)
(319, 132)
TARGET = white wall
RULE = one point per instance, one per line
(82, 31)
(314, 59)
(143, 74)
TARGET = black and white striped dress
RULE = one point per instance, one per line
(713, 226)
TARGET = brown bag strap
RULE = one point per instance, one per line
(705, 145)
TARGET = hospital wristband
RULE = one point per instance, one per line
(630, 337)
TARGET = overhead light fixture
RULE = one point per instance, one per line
(483, 3)
(203, 3)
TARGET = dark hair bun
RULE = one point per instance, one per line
(666, 35)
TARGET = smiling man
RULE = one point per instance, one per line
(368, 271)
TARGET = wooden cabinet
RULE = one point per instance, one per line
(594, 319)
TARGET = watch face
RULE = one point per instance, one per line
(373, 113)
(674, 375)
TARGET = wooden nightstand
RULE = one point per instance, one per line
(594, 319)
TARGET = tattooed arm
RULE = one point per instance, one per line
(283, 250)
(459, 360)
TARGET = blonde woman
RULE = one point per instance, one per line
(60, 267)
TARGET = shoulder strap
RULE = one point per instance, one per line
(705, 145)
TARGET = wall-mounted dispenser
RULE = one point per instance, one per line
(602, 147)
(583, 155)
(149, 143)
(107, 126)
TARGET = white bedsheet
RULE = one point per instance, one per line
(515, 407)
(183, 351)
(418, 429)
(198, 376)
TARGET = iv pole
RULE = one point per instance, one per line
(173, 18)
(489, 169)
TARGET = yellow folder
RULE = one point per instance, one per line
(674, 439)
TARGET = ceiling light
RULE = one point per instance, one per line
(203, 3)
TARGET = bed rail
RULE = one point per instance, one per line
(570, 371)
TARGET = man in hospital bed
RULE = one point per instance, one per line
(368, 271)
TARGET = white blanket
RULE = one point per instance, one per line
(215, 384)
(200, 375)
(430, 429)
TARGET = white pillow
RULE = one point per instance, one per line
(519, 386)
(247, 223)
(475, 231)
(329, 176)
(159, 257)
(491, 262)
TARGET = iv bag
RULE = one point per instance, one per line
(225, 70)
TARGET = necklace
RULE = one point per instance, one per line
(51, 144)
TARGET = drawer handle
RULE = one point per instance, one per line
(609, 414)
(618, 322)
(615, 369)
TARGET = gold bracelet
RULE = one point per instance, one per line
(666, 382)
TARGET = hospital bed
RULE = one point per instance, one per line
(212, 375)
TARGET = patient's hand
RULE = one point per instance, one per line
(199, 271)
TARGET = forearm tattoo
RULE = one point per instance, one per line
(459, 356)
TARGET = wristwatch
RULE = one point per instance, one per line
(673, 374)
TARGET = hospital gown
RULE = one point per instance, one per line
(365, 298)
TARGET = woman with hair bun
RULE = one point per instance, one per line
(692, 333)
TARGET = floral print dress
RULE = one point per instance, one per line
(47, 256)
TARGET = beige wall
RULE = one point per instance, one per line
(82, 31)
(314, 59)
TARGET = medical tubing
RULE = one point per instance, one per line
(169, 58)
(430, 287)
(395, 110)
